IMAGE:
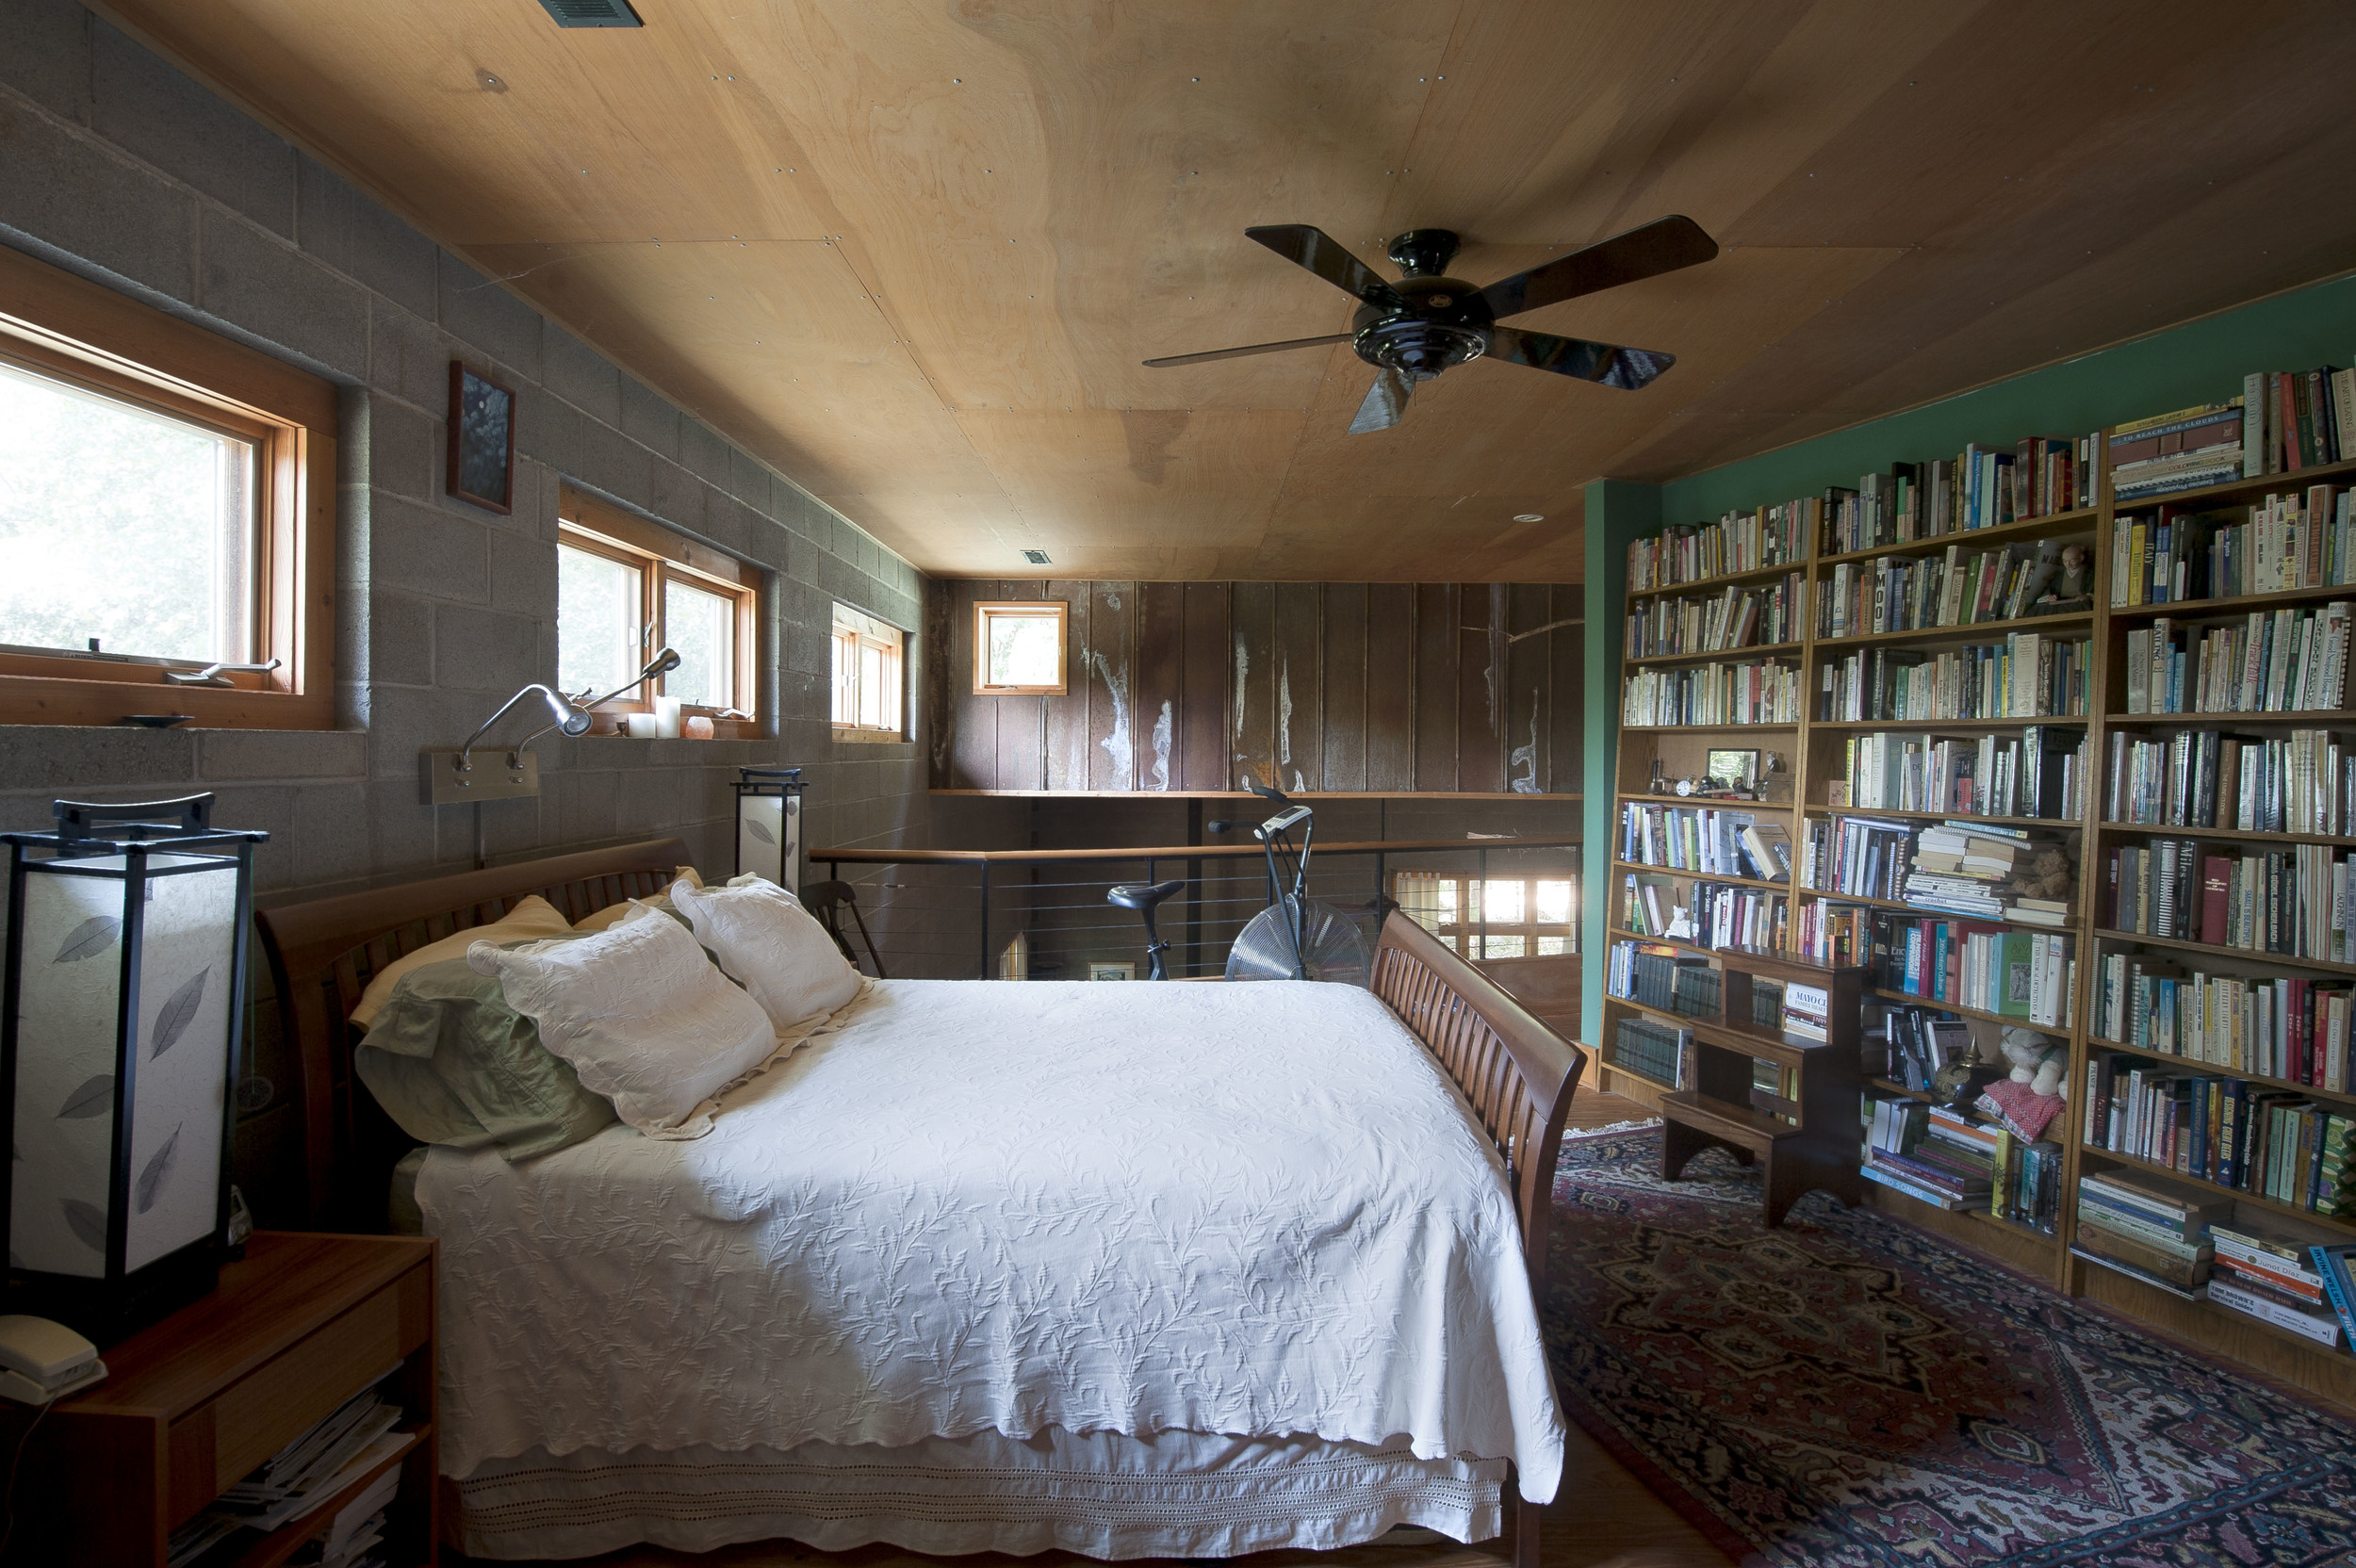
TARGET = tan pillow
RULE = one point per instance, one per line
(606, 918)
(533, 918)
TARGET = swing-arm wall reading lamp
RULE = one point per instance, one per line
(451, 778)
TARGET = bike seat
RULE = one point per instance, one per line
(1140, 895)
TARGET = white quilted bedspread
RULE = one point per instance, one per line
(1247, 1209)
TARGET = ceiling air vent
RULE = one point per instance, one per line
(1037, 558)
(592, 13)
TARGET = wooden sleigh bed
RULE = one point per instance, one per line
(1516, 1075)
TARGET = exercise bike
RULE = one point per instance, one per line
(1296, 936)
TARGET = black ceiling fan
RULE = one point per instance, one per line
(1413, 330)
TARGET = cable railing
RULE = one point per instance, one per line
(1043, 914)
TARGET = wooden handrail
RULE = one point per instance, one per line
(1164, 852)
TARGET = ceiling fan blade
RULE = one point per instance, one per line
(1321, 254)
(1630, 370)
(1255, 349)
(1386, 404)
(1660, 246)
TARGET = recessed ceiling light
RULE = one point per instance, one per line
(1528, 517)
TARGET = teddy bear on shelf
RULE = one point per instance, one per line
(2046, 875)
(2035, 1059)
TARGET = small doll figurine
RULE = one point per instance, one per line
(2077, 578)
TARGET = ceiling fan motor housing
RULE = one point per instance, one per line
(1445, 322)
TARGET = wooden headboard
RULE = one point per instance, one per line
(323, 954)
(1518, 1075)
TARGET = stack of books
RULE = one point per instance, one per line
(2143, 1225)
(1650, 1050)
(1806, 1011)
(1964, 868)
(2182, 450)
(1933, 1154)
(2261, 1272)
(2289, 661)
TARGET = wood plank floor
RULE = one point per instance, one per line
(1602, 1518)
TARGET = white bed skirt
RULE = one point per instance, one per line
(1101, 1494)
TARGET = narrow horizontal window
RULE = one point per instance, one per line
(626, 588)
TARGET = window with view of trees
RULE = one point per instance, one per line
(167, 508)
(626, 588)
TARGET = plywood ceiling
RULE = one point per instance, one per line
(912, 251)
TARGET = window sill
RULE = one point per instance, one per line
(869, 737)
(48, 699)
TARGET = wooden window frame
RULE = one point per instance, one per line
(984, 610)
(60, 326)
(585, 523)
(838, 634)
(1460, 933)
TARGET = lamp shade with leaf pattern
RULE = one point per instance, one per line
(769, 825)
(125, 999)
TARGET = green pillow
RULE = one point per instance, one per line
(452, 1063)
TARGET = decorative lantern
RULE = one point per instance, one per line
(123, 998)
(769, 825)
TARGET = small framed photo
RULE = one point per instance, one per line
(1111, 970)
(482, 440)
(1733, 770)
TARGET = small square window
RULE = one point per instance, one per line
(1019, 649)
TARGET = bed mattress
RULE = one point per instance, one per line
(1022, 1210)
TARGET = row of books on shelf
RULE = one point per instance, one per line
(2292, 901)
(1712, 841)
(1736, 618)
(1909, 1045)
(2194, 1244)
(2029, 976)
(1650, 1050)
(2301, 419)
(2290, 539)
(2027, 676)
(1663, 978)
(1737, 542)
(1709, 914)
(1980, 487)
(2267, 1142)
(2287, 660)
(2040, 772)
(1962, 587)
(2276, 1026)
(1940, 1156)
(1764, 693)
(2302, 782)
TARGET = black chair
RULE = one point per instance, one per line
(1142, 897)
(828, 900)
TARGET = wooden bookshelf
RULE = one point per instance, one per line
(1815, 752)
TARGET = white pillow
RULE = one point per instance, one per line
(642, 1016)
(772, 946)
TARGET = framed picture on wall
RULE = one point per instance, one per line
(482, 440)
(1110, 971)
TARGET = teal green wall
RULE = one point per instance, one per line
(1618, 511)
(2202, 360)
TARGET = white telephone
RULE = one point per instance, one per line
(41, 1362)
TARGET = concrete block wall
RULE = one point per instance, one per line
(116, 166)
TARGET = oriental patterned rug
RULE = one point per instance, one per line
(1849, 1392)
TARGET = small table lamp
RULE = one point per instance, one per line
(120, 1019)
(769, 825)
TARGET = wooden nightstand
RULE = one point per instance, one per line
(298, 1326)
